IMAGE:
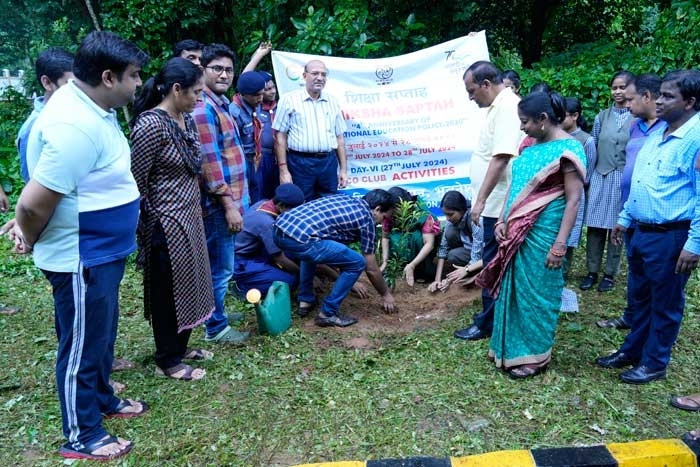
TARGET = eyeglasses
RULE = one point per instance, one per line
(218, 69)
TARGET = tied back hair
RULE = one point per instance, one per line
(573, 105)
(455, 201)
(176, 70)
(537, 103)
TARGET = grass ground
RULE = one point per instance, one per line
(305, 396)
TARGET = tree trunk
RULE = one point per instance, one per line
(540, 14)
(91, 10)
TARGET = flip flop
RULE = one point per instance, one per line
(614, 323)
(198, 354)
(87, 451)
(180, 372)
(124, 404)
(527, 371)
(117, 387)
(121, 364)
(9, 310)
(693, 406)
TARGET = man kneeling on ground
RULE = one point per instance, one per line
(319, 231)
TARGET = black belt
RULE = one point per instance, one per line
(313, 155)
(680, 225)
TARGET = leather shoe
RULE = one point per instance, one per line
(335, 320)
(641, 375)
(616, 360)
(303, 311)
(607, 284)
(472, 333)
(588, 281)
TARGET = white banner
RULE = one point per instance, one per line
(409, 120)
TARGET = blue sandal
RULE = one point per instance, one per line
(87, 451)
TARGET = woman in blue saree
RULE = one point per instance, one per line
(526, 275)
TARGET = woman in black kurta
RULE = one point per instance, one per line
(166, 159)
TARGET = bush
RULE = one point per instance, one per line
(14, 108)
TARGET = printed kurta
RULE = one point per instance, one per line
(170, 196)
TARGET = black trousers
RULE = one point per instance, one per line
(170, 345)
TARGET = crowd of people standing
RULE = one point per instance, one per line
(212, 189)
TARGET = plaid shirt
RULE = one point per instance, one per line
(337, 217)
(223, 164)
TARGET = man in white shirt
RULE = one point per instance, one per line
(490, 169)
(309, 143)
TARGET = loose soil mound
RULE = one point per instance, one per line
(417, 309)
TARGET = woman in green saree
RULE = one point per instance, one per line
(526, 275)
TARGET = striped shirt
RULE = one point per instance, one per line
(337, 217)
(665, 185)
(223, 164)
(311, 125)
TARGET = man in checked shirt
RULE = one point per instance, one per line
(318, 232)
(222, 183)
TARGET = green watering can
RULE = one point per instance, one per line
(275, 312)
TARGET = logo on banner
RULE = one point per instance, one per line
(293, 72)
(384, 75)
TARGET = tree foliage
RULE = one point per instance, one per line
(652, 45)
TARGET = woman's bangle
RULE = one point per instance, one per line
(558, 253)
(280, 164)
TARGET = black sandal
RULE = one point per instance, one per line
(615, 323)
(527, 371)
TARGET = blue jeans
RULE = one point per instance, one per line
(220, 243)
(656, 295)
(484, 319)
(332, 253)
(86, 315)
(315, 177)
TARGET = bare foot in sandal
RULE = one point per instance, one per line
(690, 403)
(117, 387)
(198, 354)
(105, 449)
(121, 364)
(182, 372)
